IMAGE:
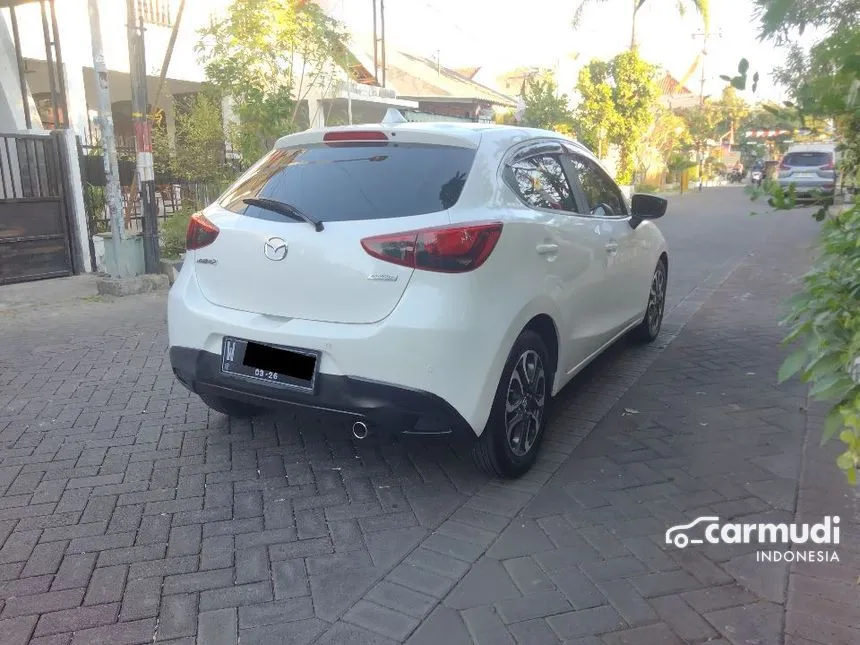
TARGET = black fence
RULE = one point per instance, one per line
(26, 168)
(172, 194)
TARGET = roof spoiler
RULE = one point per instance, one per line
(393, 115)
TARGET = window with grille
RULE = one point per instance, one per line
(156, 12)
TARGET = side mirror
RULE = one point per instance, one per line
(645, 207)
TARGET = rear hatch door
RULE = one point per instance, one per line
(265, 262)
(807, 166)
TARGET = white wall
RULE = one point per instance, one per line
(11, 102)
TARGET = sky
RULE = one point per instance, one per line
(501, 36)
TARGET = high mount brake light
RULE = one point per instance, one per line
(355, 135)
(201, 232)
(448, 249)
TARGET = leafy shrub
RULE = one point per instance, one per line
(96, 200)
(173, 230)
(647, 188)
(825, 318)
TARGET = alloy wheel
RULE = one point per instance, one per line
(525, 403)
(657, 300)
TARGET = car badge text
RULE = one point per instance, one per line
(275, 249)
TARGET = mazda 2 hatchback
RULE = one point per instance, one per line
(416, 278)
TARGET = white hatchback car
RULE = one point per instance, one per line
(418, 278)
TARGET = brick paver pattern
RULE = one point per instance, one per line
(129, 513)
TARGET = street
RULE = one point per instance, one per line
(129, 513)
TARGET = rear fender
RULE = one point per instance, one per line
(538, 306)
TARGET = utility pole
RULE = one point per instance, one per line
(143, 138)
(375, 46)
(705, 36)
(379, 29)
(111, 166)
(382, 26)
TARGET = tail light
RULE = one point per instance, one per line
(448, 249)
(782, 166)
(829, 166)
(201, 232)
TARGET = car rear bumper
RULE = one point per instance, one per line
(806, 187)
(383, 407)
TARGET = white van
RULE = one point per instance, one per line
(811, 167)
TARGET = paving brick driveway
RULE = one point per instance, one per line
(131, 514)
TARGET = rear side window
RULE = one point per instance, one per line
(355, 181)
(541, 183)
(808, 159)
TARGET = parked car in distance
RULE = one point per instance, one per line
(811, 168)
(421, 278)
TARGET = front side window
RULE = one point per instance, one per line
(355, 181)
(540, 181)
(604, 197)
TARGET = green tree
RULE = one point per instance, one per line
(635, 96)
(199, 152)
(701, 6)
(544, 106)
(732, 109)
(618, 101)
(702, 121)
(665, 139)
(595, 118)
(267, 55)
(824, 318)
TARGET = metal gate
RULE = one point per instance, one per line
(34, 227)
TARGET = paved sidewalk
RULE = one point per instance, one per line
(130, 514)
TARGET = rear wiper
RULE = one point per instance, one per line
(282, 208)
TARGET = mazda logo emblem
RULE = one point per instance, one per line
(275, 249)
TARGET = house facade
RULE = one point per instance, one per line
(443, 93)
(74, 86)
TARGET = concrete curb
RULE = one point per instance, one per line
(119, 287)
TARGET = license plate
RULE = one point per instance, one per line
(805, 175)
(285, 366)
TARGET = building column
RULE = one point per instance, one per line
(316, 112)
(170, 119)
(76, 97)
(228, 118)
(11, 101)
(79, 236)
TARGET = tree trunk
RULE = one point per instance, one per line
(633, 26)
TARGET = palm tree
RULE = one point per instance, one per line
(701, 7)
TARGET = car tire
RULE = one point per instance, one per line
(648, 330)
(508, 447)
(230, 407)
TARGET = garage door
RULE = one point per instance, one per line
(34, 235)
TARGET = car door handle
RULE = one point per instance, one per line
(547, 249)
(612, 247)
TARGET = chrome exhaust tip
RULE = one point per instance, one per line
(359, 430)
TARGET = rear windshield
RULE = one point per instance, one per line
(355, 181)
(807, 159)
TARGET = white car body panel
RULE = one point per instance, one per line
(445, 334)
